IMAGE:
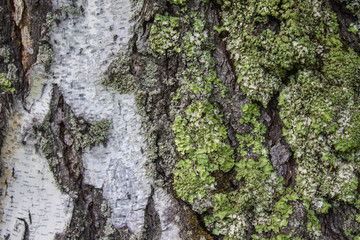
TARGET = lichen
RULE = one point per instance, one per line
(70, 9)
(202, 137)
(118, 75)
(288, 51)
(278, 48)
(86, 136)
(163, 34)
(177, 1)
(5, 84)
(5, 54)
(45, 56)
(271, 39)
(256, 193)
(322, 134)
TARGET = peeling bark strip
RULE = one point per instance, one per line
(29, 17)
(22, 19)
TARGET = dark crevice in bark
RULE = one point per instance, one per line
(272, 24)
(29, 215)
(230, 106)
(334, 223)
(345, 18)
(38, 10)
(194, 226)
(26, 229)
(88, 218)
(156, 109)
(14, 36)
(281, 155)
(280, 152)
(289, 75)
(23, 83)
(9, 45)
(152, 220)
(33, 18)
(155, 98)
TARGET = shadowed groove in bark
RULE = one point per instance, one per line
(26, 226)
(152, 221)
(280, 152)
(345, 18)
(90, 213)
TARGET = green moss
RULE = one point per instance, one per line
(5, 84)
(201, 136)
(290, 48)
(164, 37)
(320, 118)
(177, 1)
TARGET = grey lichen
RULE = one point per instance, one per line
(5, 54)
(87, 135)
(286, 51)
(119, 76)
(45, 55)
(67, 137)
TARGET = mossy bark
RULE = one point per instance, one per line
(250, 111)
(274, 181)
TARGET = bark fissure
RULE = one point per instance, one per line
(26, 227)
(345, 18)
(271, 167)
(152, 222)
(58, 142)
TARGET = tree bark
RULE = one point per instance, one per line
(180, 119)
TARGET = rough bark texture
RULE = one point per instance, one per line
(58, 137)
(249, 111)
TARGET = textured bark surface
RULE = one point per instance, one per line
(180, 119)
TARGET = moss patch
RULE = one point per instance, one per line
(291, 49)
(294, 47)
